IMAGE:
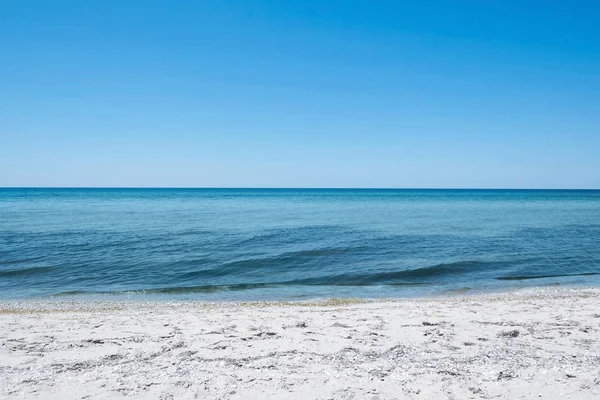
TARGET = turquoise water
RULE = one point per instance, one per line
(292, 244)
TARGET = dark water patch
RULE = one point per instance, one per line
(526, 277)
(19, 261)
(407, 276)
(25, 271)
(207, 289)
(354, 281)
(174, 289)
(283, 261)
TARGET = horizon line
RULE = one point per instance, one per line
(285, 188)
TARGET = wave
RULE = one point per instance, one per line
(410, 278)
(270, 266)
(201, 289)
(526, 277)
(72, 293)
(391, 278)
(397, 277)
(294, 259)
(25, 271)
(19, 261)
(174, 289)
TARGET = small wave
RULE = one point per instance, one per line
(312, 257)
(205, 289)
(70, 293)
(19, 261)
(209, 288)
(525, 277)
(411, 277)
(25, 271)
(175, 289)
(272, 263)
(397, 277)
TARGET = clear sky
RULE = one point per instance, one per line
(471, 93)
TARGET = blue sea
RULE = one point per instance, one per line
(266, 244)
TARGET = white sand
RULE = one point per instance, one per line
(459, 347)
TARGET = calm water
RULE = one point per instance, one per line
(266, 244)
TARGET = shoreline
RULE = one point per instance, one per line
(534, 342)
(138, 297)
(92, 301)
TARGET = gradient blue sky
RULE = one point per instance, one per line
(435, 93)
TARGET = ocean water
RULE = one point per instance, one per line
(249, 244)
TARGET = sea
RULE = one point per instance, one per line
(293, 244)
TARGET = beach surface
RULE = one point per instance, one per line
(537, 343)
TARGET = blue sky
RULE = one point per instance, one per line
(437, 93)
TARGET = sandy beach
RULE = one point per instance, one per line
(526, 344)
